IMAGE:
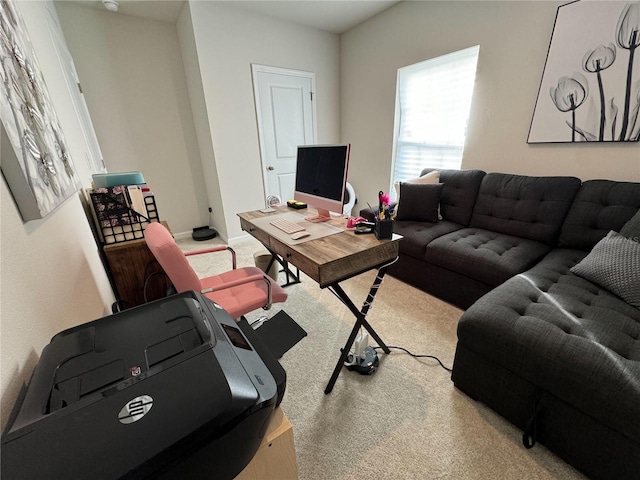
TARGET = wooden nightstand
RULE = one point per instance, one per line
(131, 264)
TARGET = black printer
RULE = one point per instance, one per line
(171, 389)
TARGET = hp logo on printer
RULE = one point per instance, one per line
(135, 409)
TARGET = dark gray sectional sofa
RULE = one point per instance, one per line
(555, 354)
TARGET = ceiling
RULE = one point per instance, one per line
(334, 16)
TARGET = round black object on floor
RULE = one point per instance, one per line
(203, 233)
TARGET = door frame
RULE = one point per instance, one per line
(255, 70)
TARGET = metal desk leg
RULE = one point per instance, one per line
(285, 268)
(360, 322)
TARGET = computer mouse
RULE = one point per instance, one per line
(299, 235)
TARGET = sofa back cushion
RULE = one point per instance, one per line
(459, 192)
(599, 206)
(523, 206)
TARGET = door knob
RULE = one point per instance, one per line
(270, 167)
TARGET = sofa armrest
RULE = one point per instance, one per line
(369, 213)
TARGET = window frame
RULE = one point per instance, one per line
(470, 53)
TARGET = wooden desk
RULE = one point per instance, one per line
(330, 260)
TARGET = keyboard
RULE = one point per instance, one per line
(287, 226)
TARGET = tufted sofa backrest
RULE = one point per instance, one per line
(529, 207)
(458, 193)
(599, 206)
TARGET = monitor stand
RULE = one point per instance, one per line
(322, 216)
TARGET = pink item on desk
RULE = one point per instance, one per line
(352, 221)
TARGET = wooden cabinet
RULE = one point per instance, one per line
(134, 270)
(276, 456)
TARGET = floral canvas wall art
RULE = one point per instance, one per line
(590, 88)
(40, 173)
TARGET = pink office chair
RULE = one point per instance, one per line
(238, 291)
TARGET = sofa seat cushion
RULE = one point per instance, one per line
(418, 234)
(484, 255)
(571, 338)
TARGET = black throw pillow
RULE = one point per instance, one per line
(420, 202)
(631, 229)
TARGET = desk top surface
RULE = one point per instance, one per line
(329, 259)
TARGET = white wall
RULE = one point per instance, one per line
(51, 275)
(228, 41)
(195, 88)
(133, 79)
(145, 82)
(514, 39)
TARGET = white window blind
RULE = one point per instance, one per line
(433, 99)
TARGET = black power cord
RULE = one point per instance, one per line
(148, 274)
(417, 356)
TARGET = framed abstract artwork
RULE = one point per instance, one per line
(35, 161)
(590, 87)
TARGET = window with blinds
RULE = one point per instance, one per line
(433, 99)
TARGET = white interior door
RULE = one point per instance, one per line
(286, 119)
(94, 159)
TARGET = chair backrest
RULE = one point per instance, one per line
(170, 257)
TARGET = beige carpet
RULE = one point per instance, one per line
(406, 421)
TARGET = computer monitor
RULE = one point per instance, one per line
(321, 178)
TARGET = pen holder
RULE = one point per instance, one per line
(383, 229)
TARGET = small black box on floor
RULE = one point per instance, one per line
(203, 233)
